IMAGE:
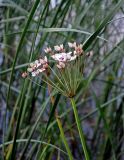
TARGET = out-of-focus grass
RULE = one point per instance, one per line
(26, 28)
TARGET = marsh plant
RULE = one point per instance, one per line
(65, 77)
(59, 102)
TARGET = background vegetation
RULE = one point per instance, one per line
(26, 28)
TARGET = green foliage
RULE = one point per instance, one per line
(30, 128)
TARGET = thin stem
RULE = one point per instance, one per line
(63, 137)
(80, 129)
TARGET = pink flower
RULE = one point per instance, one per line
(24, 74)
(35, 73)
(62, 57)
(38, 66)
(78, 50)
(72, 45)
(43, 61)
(48, 50)
(61, 65)
(73, 57)
(30, 69)
(59, 47)
(32, 65)
(41, 69)
(45, 66)
(37, 63)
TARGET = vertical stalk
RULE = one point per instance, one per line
(80, 129)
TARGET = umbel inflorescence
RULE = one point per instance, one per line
(67, 73)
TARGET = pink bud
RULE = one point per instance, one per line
(24, 74)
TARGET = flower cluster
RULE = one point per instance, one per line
(59, 55)
(63, 57)
(77, 48)
(70, 64)
(36, 67)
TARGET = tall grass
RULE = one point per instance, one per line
(29, 127)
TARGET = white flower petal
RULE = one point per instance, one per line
(73, 58)
(81, 45)
(41, 61)
(75, 53)
(29, 69)
(32, 64)
(45, 50)
(74, 44)
(33, 74)
(45, 58)
(62, 57)
(61, 46)
(36, 62)
(48, 50)
(70, 44)
(57, 48)
(41, 70)
(56, 56)
(69, 53)
(37, 72)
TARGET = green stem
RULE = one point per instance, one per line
(80, 130)
(63, 138)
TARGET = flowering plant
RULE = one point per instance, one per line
(68, 69)
(65, 78)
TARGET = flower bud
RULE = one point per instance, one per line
(24, 74)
